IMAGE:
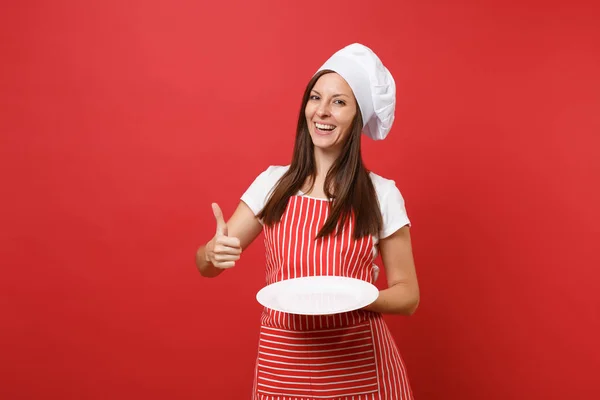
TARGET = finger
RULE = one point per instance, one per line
(228, 241)
(226, 257)
(221, 249)
(221, 224)
(226, 264)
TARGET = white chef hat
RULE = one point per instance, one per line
(372, 84)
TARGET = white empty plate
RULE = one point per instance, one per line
(318, 295)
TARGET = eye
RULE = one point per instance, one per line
(314, 97)
(340, 102)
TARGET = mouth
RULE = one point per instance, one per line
(324, 129)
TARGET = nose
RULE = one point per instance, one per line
(323, 109)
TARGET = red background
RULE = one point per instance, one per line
(122, 121)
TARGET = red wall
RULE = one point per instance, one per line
(122, 121)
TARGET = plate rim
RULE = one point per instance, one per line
(367, 284)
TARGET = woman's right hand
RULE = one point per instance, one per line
(222, 251)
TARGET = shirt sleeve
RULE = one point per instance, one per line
(393, 210)
(259, 191)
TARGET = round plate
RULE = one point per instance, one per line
(318, 295)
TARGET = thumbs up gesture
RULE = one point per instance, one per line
(222, 251)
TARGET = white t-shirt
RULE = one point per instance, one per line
(390, 199)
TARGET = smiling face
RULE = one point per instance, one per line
(329, 112)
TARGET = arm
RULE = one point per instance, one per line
(231, 238)
(402, 294)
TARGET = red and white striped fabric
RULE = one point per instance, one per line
(347, 356)
(324, 364)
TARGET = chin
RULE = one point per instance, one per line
(324, 143)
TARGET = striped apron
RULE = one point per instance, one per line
(346, 356)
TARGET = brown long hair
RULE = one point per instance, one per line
(347, 182)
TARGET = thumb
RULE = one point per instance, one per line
(221, 224)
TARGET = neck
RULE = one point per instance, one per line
(324, 160)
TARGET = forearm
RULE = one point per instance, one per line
(400, 298)
(204, 266)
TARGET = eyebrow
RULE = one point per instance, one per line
(335, 95)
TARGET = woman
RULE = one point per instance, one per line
(325, 214)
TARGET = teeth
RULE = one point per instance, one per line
(325, 127)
